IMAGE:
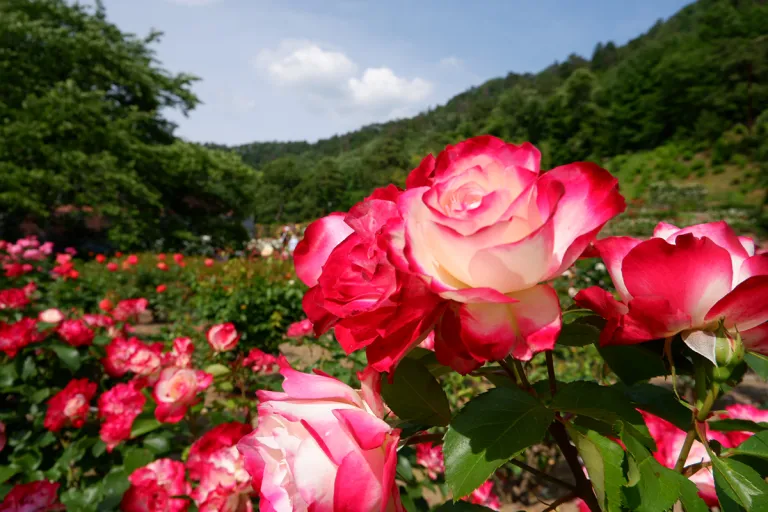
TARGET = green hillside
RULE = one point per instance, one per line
(679, 114)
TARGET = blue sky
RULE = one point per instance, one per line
(309, 69)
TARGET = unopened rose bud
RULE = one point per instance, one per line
(729, 349)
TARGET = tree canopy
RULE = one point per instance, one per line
(85, 149)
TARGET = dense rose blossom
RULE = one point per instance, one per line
(178, 257)
(15, 336)
(100, 258)
(723, 281)
(129, 309)
(112, 266)
(106, 305)
(75, 333)
(65, 267)
(431, 457)
(96, 320)
(162, 266)
(69, 407)
(208, 262)
(485, 496)
(300, 329)
(51, 316)
(225, 484)
(317, 437)
(132, 355)
(176, 390)
(13, 298)
(132, 259)
(33, 255)
(261, 362)
(180, 355)
(40, 496)
(119, 254)
(356, 289)
(221, 436)
(161, 288)
(484, 229)
(3, 437)
(154, 486)
(17, 269)
(118, 408)
(223, 337)
(160, 257)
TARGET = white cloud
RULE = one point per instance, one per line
(380, 86)
(329, 79)
(304, 63)
(451, 62)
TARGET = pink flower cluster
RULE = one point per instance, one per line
(465, 250)
(261, 362)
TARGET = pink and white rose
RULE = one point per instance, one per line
(176, 390)
(223, 337)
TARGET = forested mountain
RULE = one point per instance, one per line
(690, 96)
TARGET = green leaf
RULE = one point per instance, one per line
(68, 355)
(98, 449)
(159, 444)
(740, 483)
(734, 425)
(8, 374)
(40, 395)
(652, 487)
(81, 500)
(461, 506)
(758, 363)
(689, 495)
(633, 363)
(603, 459)
(660, 401)
(578, 335)
(603, 403)
(488, 431)
(217, 370)
(428, 359)
(415, 395)
(571, 315)
(6, 472)
(404, 469)
(755, 446)
(134, 458)
(113, 487)
(144, 425)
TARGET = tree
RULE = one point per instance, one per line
(83, 134)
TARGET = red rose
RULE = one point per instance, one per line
(132, 355)
(75, 333)
(129, 309)
(162, 266)
(176, 390)
(112, 266)
(221, 436)
(154, 486)
(161, 288)
(100, 258)
(40, 496)
(223, 337)
(15, 336)
(118, 408)
(132, 259)
(69, 407)
(13, 298)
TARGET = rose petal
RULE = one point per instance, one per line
(745, 307)
(692, 275)
(756, 339)
(613, 250)
(320, 238)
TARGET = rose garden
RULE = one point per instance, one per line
(468, 342)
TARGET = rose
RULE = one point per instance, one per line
(75, 333)
(485, 496)
(13, 298)
(180, 355)
(132, 259)
(223, 337)
(96, 320)
(40, 496)
(129, 309)
(112, 266)
(315, 438)
(132, 355)
(208, 262)
(106, 305)
(162, 266)
(3, 437)
(69, 407)
(100, 258)
(355, 287)
(484, 230)
(176, 390)
(261, 362)
(118, 408)
(685, 281)
(221, 436)
(742, 412)
(161, 288)
(178, 258)
(300, 329)
(431, 457)
(15, 336)
(224, 482)
(154, 486)
(51, 316)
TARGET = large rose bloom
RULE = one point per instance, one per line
(118, 408)
(176, 391)
(40, 496)
(69, 407)
(484, 229)
(154, 486)
(684, 281)
(323, 446)
(355, 286)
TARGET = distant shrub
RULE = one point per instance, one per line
(739, 160)
(719, 169)
(698, 164)
(688, 155)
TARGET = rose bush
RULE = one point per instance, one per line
(447, 284)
